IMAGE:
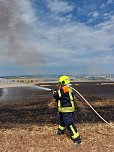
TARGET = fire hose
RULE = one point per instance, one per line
(92, 108)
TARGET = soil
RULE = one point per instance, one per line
(29, 120)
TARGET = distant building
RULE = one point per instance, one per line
(24, 80)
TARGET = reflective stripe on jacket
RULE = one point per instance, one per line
(65, 99)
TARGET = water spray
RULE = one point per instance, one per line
(13, 85)
(41, 88)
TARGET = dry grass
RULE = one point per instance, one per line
(95, 138)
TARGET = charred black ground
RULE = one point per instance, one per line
(24, 106)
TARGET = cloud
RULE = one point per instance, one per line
(76, 43)
(95, 14)
(107, 16)
(102, 6)
(59, 6)
(109, 1)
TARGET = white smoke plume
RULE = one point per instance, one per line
(17, 29)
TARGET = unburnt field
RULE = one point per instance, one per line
(29, 119)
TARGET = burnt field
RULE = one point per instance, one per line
(28, 119)
(28, 105)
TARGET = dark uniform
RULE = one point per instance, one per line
(65, 101)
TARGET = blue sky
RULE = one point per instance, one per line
(62, 37)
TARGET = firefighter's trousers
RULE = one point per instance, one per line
(66, 120)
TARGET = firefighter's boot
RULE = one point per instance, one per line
(60, 132)
(77, 141)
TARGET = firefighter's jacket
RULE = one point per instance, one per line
(65, 99)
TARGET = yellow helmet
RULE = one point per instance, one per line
(64, 80)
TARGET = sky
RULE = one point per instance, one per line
(56, 37)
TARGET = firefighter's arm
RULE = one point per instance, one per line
(55, 95)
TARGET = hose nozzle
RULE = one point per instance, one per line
(52, 90)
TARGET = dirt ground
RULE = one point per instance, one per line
(29, 120)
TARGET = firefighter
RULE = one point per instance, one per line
(65, 101)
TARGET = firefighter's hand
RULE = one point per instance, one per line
(53, 91)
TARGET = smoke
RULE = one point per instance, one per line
(18, 44)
